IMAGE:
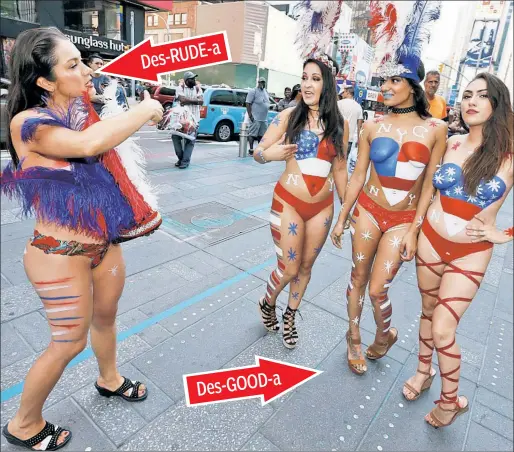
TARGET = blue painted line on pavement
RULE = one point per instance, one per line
(17, 389)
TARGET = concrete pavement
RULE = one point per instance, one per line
(189, 305)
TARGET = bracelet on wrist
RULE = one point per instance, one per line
(260, 154)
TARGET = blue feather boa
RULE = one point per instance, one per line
(70, 199)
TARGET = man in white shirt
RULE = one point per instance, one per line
(189, 96)
(257, 107)
(352, 112)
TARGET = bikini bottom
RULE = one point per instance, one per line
(385, 219)
(306, 210)
(50, 245)
(449, 251)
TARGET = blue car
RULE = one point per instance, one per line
(224, 110)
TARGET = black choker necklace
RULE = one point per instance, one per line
(402, 111)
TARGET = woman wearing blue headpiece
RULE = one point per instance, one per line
(403, 149)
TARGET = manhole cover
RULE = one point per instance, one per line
(212, 221)
(209, 223)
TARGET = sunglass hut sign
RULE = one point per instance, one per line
(95, 43)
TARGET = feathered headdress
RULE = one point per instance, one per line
(316, 28)
(400, 29)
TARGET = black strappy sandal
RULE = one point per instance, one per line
(120, 392)
(289, 333)
(49, 430)
(268, 315)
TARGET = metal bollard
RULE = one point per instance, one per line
(243, 140)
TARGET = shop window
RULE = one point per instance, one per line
(99, 17)
(24, 10)
(183, 18)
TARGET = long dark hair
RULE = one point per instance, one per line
(32, 57)
(497, 136)
(329, 114)
(420, 100)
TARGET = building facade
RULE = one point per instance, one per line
(359, 19)
(483, 44)
(253, 29)
(94, 26)
(177, 23)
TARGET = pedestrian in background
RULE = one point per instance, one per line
(100, 81)
(437, 103)
(296, 96)
(352, 112)
(284, 103)
(190, 96)
(139, 88)
(257, 106)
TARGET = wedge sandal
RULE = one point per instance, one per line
(379, 350)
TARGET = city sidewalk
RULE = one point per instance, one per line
(199, 278)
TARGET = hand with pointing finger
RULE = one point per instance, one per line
(280, 151)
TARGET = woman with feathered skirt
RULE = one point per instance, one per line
(66, 171)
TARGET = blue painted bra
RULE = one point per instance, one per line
(450, 181)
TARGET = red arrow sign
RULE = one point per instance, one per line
(147, 61)
(269, 379)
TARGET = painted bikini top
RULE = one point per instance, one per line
(459, 207)
(398, 167)
(314, 158)
(82, 195)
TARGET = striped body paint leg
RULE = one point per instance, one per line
(386, 266)
(61, 305)
(64, 285)
(287, 230)
(365, 236)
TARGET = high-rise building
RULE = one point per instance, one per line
(503, 51)
(359, 19)
(482, 43)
